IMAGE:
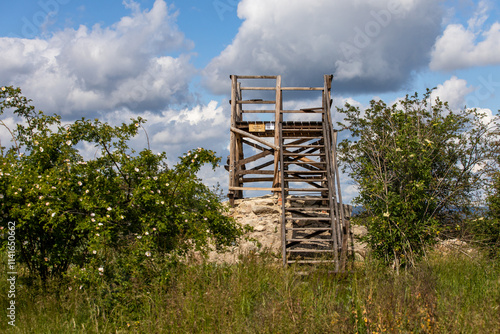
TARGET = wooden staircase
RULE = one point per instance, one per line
(303, 171)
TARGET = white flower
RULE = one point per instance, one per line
(93, 220)
(1, 196)
(162, 202)
(53, 214)
(87, 191)
(148, 254)
(155, 178)
(47, 203)
(139, 237)
(3, 89)
(79, 183)
(41, 149)
(94, 252)
(97, 235)
(154, 228)
(122, 217)
(101, 269)
(137, 169)
(68, 143)
(92, 214)
(146, 233)
(100, 224)
(136, 125)
(109, 209)
(386, 214)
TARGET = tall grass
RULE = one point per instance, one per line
(445, 294)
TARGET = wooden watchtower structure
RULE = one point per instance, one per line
(292, 153)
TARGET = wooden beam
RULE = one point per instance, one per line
(255, 172)
(254, 157)
(249, 135)
(255, 76)
(254, 188)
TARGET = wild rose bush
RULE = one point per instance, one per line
(83, 213)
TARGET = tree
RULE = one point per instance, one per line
(72, 211)
(417, 167)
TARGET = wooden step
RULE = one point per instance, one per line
(289, 209)
(306, 189)
(298, 162)
(311, 261)
(305, 239)
(308, 228)
(304, 146)
(307, 198)
(305, 180)
(308, 218)
(309, 250)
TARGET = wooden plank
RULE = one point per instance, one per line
(257, 179)
(302, 88)
(256, 76)
(254, 145)
(249, 135)
(254, 157)
(254, 102)
(254, 188)
(257, 111)
(255, 172)
(258, 88)
(302, 111)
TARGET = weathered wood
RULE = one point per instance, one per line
(255, 172)
(256, 76)
(258, 111)
(277, 133)
(257, 179)
(255, 102)
(249, 135)
(307, 146)
(302, 88)
(255, 188)
(258, 88)
(253, 158)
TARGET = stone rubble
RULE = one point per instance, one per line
(263, 215)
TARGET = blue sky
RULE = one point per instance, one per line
(169, 61)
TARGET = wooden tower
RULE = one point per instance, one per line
(292, 153)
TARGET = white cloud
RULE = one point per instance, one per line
(453, 91)
(103, 68)
(461, 47)
(370, 45)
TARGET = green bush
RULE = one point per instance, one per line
(415, 164)
(71, 211)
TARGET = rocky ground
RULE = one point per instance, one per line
(263, 215)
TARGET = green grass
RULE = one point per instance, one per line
(444, 294)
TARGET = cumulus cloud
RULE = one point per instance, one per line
(462, 47)
(370, 45)
(453, 91)
(103, 68)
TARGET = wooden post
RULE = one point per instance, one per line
(232, 141)
(277, 133)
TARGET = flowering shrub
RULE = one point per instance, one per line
(69, 210)
(418, 169)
